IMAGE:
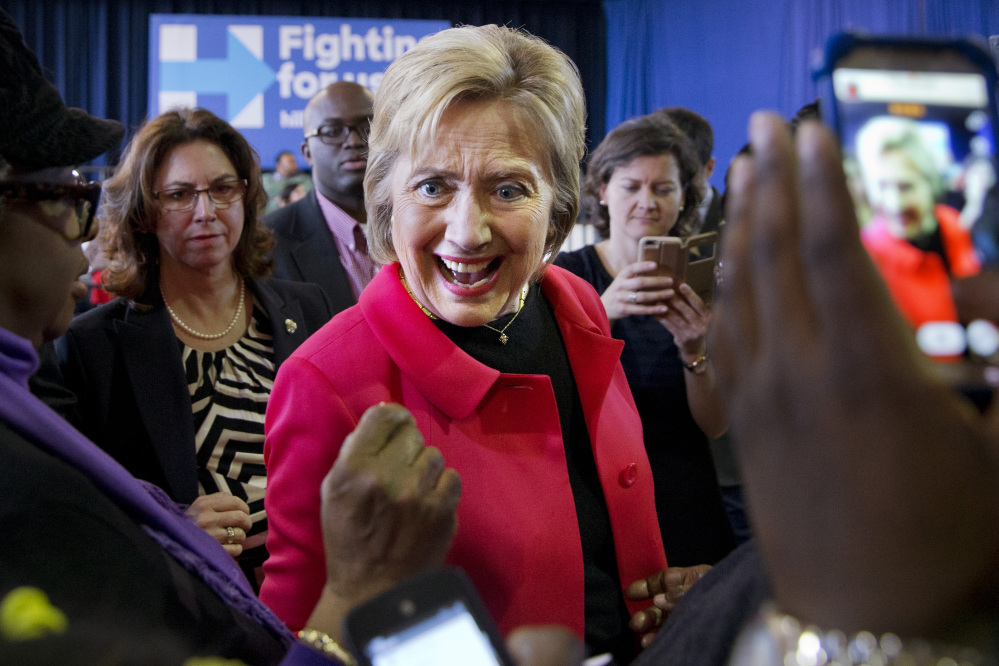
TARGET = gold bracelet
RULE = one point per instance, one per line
(326, 645)
(698, 366)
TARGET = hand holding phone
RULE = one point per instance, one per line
(689, 261)
(637, 290)
(435, 617)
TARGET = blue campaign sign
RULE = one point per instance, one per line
(258, 72)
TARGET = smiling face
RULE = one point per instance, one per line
(471, 214)
(203, 237)
(644, 197)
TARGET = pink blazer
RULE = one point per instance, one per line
(518, 536)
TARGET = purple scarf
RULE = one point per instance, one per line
(143, 502)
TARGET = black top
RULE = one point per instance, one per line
(692, 519)
(535, 347)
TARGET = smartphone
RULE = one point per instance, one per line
(691, 260)
(917, 121)
(667, 252)
(435, 618)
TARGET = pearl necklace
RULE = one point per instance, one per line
(208, 336)
(503, 337)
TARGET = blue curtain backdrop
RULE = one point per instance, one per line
(728, 58)
(96, 51)
(722, 58)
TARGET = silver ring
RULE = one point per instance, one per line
(230, 535)
(634, 297)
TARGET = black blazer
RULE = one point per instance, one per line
(124, 366)
(305, 251)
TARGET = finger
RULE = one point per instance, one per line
(638, 268)
(234, 549)
(734, 335)
(448, 490)
(648, 297)
(544, 646)
(679, 305)
(648, 283)
(403, 448)
(223, 501)
(427, 469)
(841, 277)
(234, 519)
(694, 301)
(784, 306)
(375, 430)
(646, 620)
(648, 638)
(656, 310)
(221, 534)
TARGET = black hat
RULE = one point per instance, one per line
(37, 130)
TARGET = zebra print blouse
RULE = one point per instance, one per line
(229, 391)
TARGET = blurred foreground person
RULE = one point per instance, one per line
(871, 484)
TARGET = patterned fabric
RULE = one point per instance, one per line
(229, 392)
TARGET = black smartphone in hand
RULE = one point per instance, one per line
(434, 619)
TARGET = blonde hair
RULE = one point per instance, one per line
(886, 134)
(476, 64)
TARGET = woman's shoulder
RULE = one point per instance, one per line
(346, 335)
(311, 297)
(578, 261)
(98, 317)
(291, 289)
(585, 262)
(568, 292)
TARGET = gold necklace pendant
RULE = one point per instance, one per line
(503, 337)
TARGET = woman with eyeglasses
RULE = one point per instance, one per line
(173, 377)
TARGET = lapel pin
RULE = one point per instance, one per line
(290, 325)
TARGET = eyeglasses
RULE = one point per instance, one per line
(336, 132)
(82, 197)
(222, 194)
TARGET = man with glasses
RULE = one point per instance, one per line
(320, 238)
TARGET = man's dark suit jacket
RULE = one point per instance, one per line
(124, 366)
(304, 250)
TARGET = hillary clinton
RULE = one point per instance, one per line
(505, 362)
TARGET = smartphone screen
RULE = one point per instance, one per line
(920, 154)
(448, 636)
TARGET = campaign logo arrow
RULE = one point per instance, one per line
(241, 76)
